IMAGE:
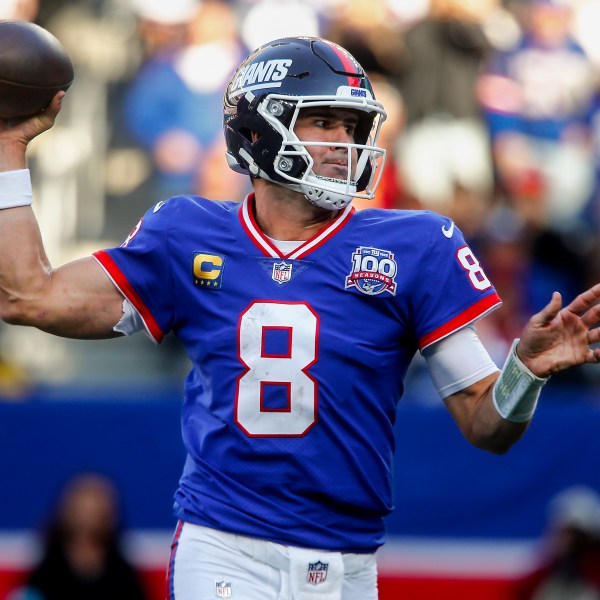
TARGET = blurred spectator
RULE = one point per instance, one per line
(538, 99)
(585, 27)
(569, 566)
(82, 559)
(173, 106)
(268, 20)
(367, 29)
(23, 10)
(592, 214)
(163, 26)
(444, 157)
(504, 246)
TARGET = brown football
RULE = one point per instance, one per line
(33, 67)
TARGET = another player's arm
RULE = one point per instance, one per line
(76, 300)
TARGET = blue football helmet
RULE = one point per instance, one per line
(265, 96)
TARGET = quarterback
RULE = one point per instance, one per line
(301, 317)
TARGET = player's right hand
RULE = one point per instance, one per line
(15, 134)
(24, 129)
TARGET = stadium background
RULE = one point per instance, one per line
(467, 524)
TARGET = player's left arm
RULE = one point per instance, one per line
(494, 412)
(478, 419)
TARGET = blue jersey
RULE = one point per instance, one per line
(298, 360)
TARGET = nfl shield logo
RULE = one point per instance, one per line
(223, 589)
(282, 272)
(317, 572)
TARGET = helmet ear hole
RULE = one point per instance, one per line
(245, 133)
(251, 135)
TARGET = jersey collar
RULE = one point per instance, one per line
(262, 242)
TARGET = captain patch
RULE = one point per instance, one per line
(208, 270)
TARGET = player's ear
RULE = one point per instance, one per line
(254, 135)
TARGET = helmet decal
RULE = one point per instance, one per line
(262, 74)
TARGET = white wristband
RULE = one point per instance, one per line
(15, 188)
(517, 390)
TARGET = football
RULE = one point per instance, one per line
(33, 67)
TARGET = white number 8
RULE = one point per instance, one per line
(286, 371)
(470, 264)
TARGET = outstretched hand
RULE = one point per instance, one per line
(558, 338)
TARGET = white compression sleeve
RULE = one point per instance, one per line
(458, 361)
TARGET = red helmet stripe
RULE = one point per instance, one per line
(348, 65)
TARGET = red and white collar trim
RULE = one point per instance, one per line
(262, 242)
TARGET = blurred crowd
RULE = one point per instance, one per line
(567, 560)
(493, 119)
(81, 554)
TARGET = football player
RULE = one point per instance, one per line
(301, 317)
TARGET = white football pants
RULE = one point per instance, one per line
(207, 564)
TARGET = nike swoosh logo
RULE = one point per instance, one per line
(159, 206)
(448, 232)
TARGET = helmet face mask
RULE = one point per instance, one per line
(264, 101)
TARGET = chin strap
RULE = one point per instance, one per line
(328, 199)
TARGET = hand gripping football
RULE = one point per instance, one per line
(33, 67)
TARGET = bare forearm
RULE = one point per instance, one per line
(490, 431)
(478, 419)
(13, 155)
(77, 300)
(24, 267)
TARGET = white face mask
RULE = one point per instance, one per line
(326, 192)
